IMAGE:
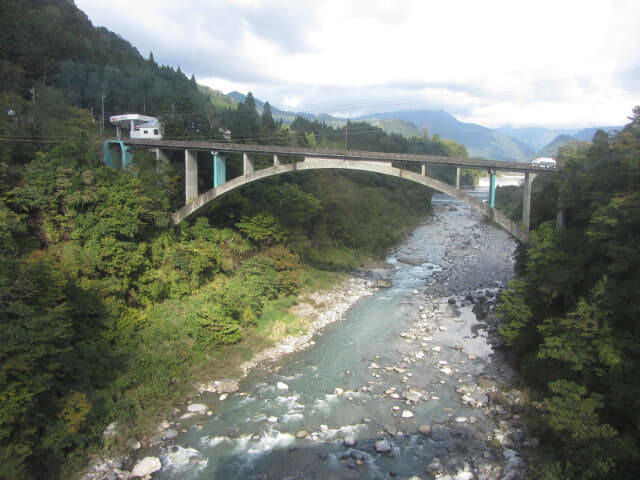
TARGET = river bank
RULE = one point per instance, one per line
(316, 310)
(438, 388)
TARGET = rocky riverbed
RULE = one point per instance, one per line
(409, 387)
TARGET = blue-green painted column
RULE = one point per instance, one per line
(219, 170)
(110, 149)
(492, 189)
(127, 155)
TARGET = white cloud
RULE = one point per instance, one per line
(494, 62)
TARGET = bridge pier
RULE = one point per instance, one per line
(190, 175)
(247, 165)
(560, 221)
(219, 169)
(526, 199)
(492, 189)
(118, 153)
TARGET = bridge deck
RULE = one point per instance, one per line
(480, 163)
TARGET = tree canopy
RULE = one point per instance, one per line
(574, 317)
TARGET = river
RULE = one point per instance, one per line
(397, 389)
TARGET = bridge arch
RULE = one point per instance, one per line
(200, 203)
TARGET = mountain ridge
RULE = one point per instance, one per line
(503, 143)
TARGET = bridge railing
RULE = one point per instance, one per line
(477, 163)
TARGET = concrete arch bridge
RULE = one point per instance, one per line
(303, 159)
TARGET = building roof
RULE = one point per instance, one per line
(152, 124)
(125, 119)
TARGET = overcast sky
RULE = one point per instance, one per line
(491, 62)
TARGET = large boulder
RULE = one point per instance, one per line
(111, 430)
(226, 386)
(390, 429)
(414, 262)
(382, 446)
(384, 283)
(350, 441)
(412, 396)
(146, 466)
(200, 408)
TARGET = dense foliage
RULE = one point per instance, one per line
(108, 312)
(94, 278)
(50, 43)
(573, 317)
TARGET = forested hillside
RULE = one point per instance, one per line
(573, 316)
(49, 48)
(109, 313)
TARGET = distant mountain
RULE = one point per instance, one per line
(286, 116)
(239, 97)
(540, 137)
(551, 150)
(397, 125)
(480, 141)
(216, 97)
(536, 137)
(388, 125)
(505, 143)
(586, 134)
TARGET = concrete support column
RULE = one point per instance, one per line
(560, 218)
(247, 164)
(424, 169)
(560, 223)
(219, 170)
(492, 189)
(526, 200)
(457, 177)
(276, 161)
(190, 175)
(162, 160)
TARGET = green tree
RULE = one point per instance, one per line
(246, 121)
(572, 318)
(267, 124)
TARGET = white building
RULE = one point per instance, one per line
(140, 126)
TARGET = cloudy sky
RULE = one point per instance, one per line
(492, 62)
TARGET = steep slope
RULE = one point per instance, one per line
(52, 44)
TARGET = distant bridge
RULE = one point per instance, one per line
(314, 159)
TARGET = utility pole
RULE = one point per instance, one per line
(346, 136)
(102, 122)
